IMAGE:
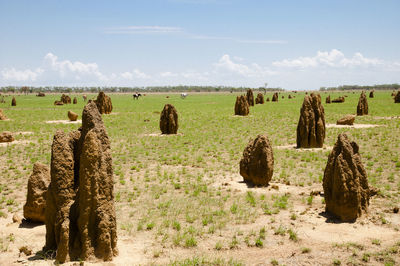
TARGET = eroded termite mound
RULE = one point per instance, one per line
(257, 164)
(311, 126)
(260, 98)
(362, 107)
(250, 97)
(241, 106)
(169, 120)
(80, 213)
(104, 103)
(345, 181)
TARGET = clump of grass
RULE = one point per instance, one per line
(293, 235)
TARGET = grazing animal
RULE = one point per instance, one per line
(184, 95)
(136, 96)
(84, 97)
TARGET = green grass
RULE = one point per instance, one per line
(169, 188)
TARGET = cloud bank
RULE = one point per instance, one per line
(325, 68)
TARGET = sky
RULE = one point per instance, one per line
(292, 44)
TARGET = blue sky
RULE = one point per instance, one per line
(292, 44)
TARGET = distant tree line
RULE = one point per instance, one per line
(181, 88)
(394, 86)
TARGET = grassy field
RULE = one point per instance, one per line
(180, 199)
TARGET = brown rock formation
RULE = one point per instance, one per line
(345, 181)
(362, 107)
(72, 116)
(75, 101)
(241, 106)
(328, 99)
(338, 100)
(250, 97)
(104, 103)
(65, 99)
(260, 98)
(346, 120)
(13, 102)
(40, 94)
(371, 94)
(80, 213)
(2, 116)
(38, 182)
(58, 103)
(275, 97)
(311, 126)
(169, 120)
(397, 97)
(6, 136)
(257, 164)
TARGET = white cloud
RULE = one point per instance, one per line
(326, 68)
(136, 73)
(168, 74)
(21, 75)
(334, 58)
(226, 64)
(142, 30)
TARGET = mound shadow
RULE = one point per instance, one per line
(332, 219)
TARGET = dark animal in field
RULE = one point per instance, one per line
(136, 96)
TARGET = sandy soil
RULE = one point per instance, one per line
(292, 146)
(64, 122)
(353, 126)
(386, 117)
(162, 135)
(15, 142)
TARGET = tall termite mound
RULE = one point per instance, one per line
(362, 107)
(250, 97)
(65, 99)
(260, 98)
(328, 99)
(345, 181)
(80, 212)
(257, 164)
(104, 103)
(169, 120)
(311, 126)
(275, 97)
(241, 106)
(397, 97)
